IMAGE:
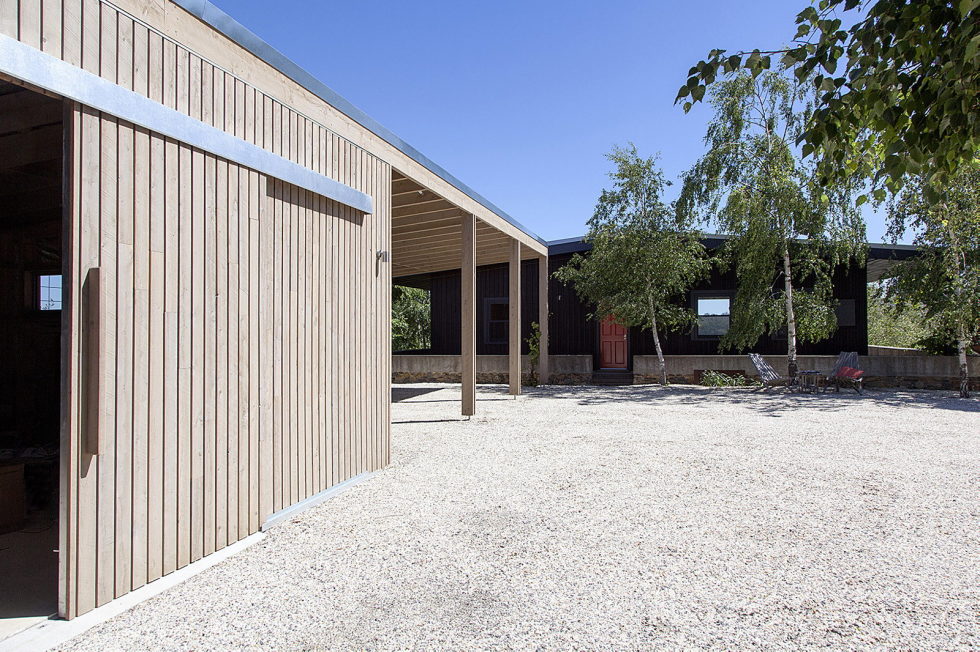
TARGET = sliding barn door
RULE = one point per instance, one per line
(227, 351)
(162, 410)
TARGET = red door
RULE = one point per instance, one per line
(612, 344)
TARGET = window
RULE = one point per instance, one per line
(49, 292)
(497, 316)
(845, 313)
(714, 315)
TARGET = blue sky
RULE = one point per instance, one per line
(521, 100)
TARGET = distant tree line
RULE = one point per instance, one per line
(411, 319)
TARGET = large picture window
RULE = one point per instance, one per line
(714, 315)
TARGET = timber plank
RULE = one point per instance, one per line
(171, 430)
(221, 448)
(125, 216)
(141, 365)
(108, 170)
(185, 423)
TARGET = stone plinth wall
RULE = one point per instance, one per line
(892, 350)
(913, 372)
(490, 369)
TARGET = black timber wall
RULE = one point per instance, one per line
(492, 281)
(849, 284)
(573, 333)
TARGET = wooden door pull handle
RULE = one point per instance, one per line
(91, 368)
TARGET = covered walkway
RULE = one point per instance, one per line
(432, 234)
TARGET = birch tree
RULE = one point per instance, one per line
(787, 234)
(944, 277)
(897, 91)
(644, 256)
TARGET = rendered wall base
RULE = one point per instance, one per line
(913, 372)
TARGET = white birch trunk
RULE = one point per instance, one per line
(961, 346)
(790, 315)
(656, 341)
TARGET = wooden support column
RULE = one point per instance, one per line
(514, 330)
(544, 368)
(468, 326)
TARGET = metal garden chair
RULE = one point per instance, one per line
(767, 374)
(846, 372)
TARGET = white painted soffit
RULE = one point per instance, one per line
(44, 71)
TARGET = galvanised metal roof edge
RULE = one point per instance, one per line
(208, 13)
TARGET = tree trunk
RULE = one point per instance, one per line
(656, 341)
(790, 315)
(961, 345)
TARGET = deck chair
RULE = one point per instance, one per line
(767, 374)
(846, 372)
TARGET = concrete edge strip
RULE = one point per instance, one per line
(44, 71)
(316, 499)
(52, 633)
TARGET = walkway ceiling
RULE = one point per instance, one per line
(427, 233)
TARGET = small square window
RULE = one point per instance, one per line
(49, 292)
(499, 312)
(496, 320)
(714, 316)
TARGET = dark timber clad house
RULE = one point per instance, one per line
(572, 333)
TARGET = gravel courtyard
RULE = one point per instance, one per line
(617, 518)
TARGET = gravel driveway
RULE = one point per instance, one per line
(617, 518)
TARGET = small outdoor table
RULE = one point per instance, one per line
(808, 380)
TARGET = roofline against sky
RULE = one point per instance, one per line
(567, 244)
(207, 12)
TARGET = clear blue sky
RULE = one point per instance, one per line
(521, 100)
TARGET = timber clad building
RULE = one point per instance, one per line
(608, 346)
(198, 245)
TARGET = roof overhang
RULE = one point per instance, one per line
(881, 256)
(399, 154)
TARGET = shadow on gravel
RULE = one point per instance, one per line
(776, 403)
(484, 393)
(459, 420)
(399, 394)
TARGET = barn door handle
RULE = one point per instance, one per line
(91, 368)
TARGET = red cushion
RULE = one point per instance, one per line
(850, 372)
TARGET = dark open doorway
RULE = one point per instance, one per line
(31, 267)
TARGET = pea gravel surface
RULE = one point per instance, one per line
(617, 518)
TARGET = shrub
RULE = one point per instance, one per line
(711, 378)
(534, 353)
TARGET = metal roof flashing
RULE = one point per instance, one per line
(876, 250)
(211, 15)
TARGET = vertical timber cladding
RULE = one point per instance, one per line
(245, 333)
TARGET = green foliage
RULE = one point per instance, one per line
(897, 91)
(944, 278)
(534, 353)
(939, 342)
(411, 319)
(711, 378)
(890, 326)
(787, 235)
(644, 255)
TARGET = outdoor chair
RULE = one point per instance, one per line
(767, 374)
(846, 372)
